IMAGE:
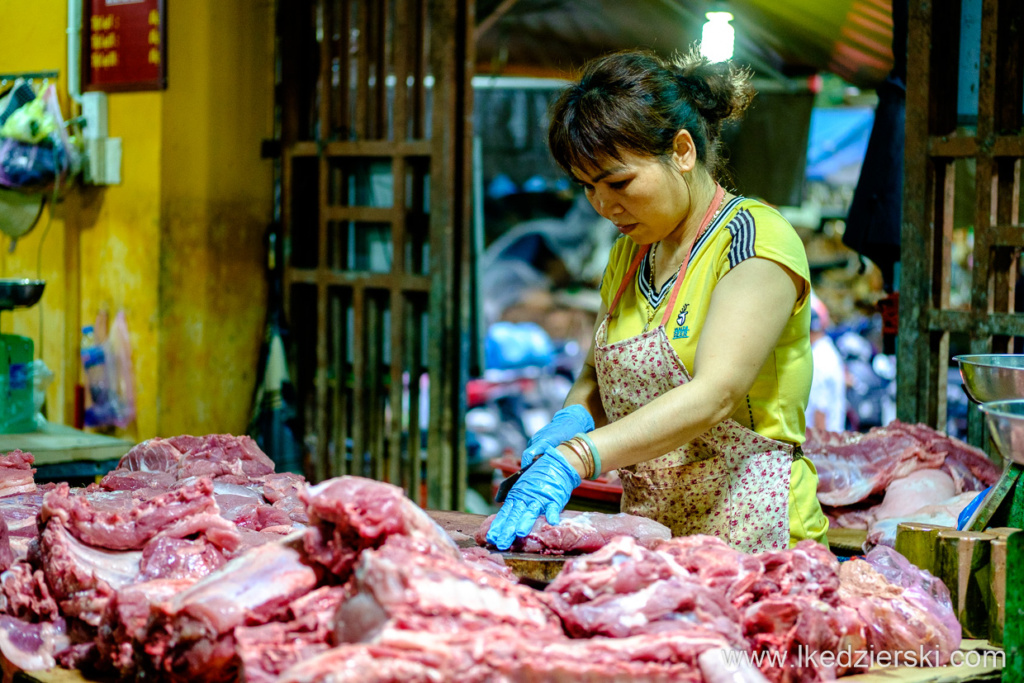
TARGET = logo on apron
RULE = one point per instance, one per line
(682, 332)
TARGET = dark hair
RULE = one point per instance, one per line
(637, 101)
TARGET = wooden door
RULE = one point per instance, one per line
(375, 107)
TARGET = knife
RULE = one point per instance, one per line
(505, 486)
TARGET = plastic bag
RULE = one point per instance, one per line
(35, 151)
(110, 376)
(30, 123)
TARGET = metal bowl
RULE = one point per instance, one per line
(992, 376)
(20, 293)
(1005, 421)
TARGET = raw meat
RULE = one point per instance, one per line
(904, 609)
(485, 560)
(16, 473)
(26, 594)
(31, 647)
(908, 494)
(125, 620)
(718, 667)
(21, 512)
(125, 525)
(853, 466)
(83, 578)
(131, 480)
(582, 532)
(883, 531)
(179, 558)
(772, 604)
(408, 584)
(214, 456)
(191, 635)
(152, 455)
(266, 651)
(502, 654)
(350, 514)
(7, 556)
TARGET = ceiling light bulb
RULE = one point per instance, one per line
(718, 36)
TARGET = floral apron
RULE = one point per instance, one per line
(730, 482)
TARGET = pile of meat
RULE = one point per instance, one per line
(892, 474)
(582, 532)
(194, 561)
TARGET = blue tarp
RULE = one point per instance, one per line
(837, 143)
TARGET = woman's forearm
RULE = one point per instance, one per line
(585, 392)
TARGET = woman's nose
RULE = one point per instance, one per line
(604, 204)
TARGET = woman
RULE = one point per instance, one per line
(700, 369)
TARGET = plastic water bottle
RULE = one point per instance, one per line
(94, 361)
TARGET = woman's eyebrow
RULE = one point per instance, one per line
(607, 172)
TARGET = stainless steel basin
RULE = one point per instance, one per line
(1005, 420)
(992, 376)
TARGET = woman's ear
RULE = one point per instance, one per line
(684, 152)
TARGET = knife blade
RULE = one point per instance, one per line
(506, 485)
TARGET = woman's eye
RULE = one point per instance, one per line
(618, 184)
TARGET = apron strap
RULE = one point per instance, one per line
(629, 276)
(708, 216)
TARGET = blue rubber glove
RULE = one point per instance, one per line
(968, 511)
(544, 488)
(565, 424)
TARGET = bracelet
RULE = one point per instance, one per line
(579, 448)
(591, 467)
(595, 457)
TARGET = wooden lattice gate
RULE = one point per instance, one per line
(375, 107)
(942, 133)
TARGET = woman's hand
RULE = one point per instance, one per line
(566, 423)
(545, 489)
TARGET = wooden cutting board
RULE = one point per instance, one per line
(528, 567)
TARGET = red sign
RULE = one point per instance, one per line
(124, 45)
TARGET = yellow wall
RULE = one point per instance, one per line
(179, 244)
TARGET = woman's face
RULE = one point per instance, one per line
(646, 198)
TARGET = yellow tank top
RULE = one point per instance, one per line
(744, 229)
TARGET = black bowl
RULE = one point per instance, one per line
(20, 293)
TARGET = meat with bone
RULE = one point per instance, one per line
(582, 532)
(265, 651)
(350, 514)
(191, 635)
(6, 553)
(125, 620)
(16, 473)
(502, 654)
(26, 595)
(83, 578)
(21, 512)
(718, 666)
(409, 584)
(773, 604)
(31, 647)
(853, 466)
(128, 524)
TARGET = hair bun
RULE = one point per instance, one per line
(721, 91)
